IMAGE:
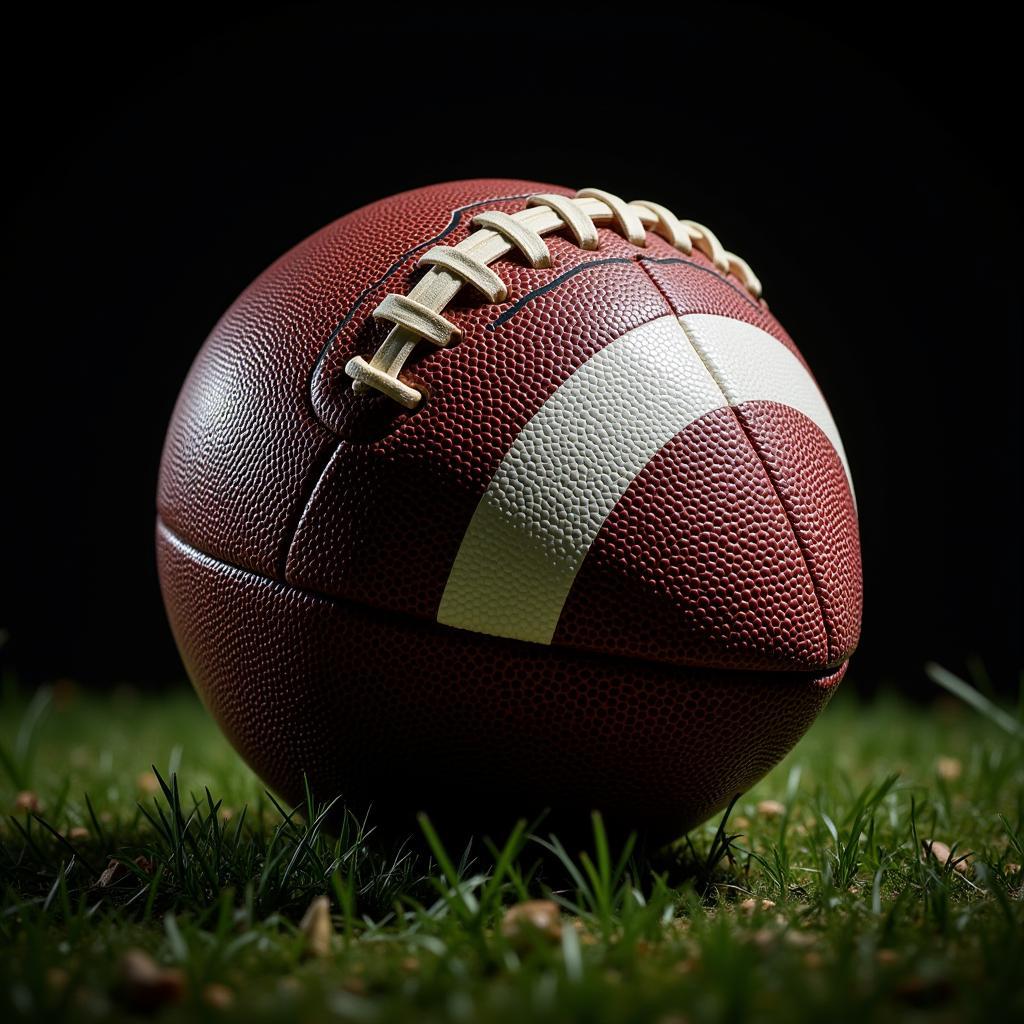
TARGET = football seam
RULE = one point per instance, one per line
(552, 285)
(820, 675)
(768, 475)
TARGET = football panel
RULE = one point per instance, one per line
(801, 450)
(413, 713)
(813, 487)
(698, 564)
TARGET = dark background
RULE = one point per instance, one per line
(862, 167)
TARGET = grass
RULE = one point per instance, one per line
(823, 902)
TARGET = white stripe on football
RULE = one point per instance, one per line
(593, 435)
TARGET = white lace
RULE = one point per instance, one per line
(417, 316)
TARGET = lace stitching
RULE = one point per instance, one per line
(417, 316)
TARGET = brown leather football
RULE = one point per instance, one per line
(494, 491)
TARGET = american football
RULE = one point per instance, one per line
(522, 484)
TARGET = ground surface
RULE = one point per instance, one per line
(174, 903)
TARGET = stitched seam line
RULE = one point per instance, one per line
(767, 471)
(551, 285)
(713, 272)
(823, 675)
(800, 543)
(316, 474)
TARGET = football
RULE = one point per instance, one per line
(496, 492)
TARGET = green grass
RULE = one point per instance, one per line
(824, 911)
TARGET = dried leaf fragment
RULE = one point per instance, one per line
(147, 783)
(524, 923)
(771, 809)
(944, 855)
(28, 801)
(317, 927)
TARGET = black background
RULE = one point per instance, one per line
(861, 165)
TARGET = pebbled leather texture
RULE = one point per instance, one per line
(700, 593)
(394, 709)
(307, 534)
